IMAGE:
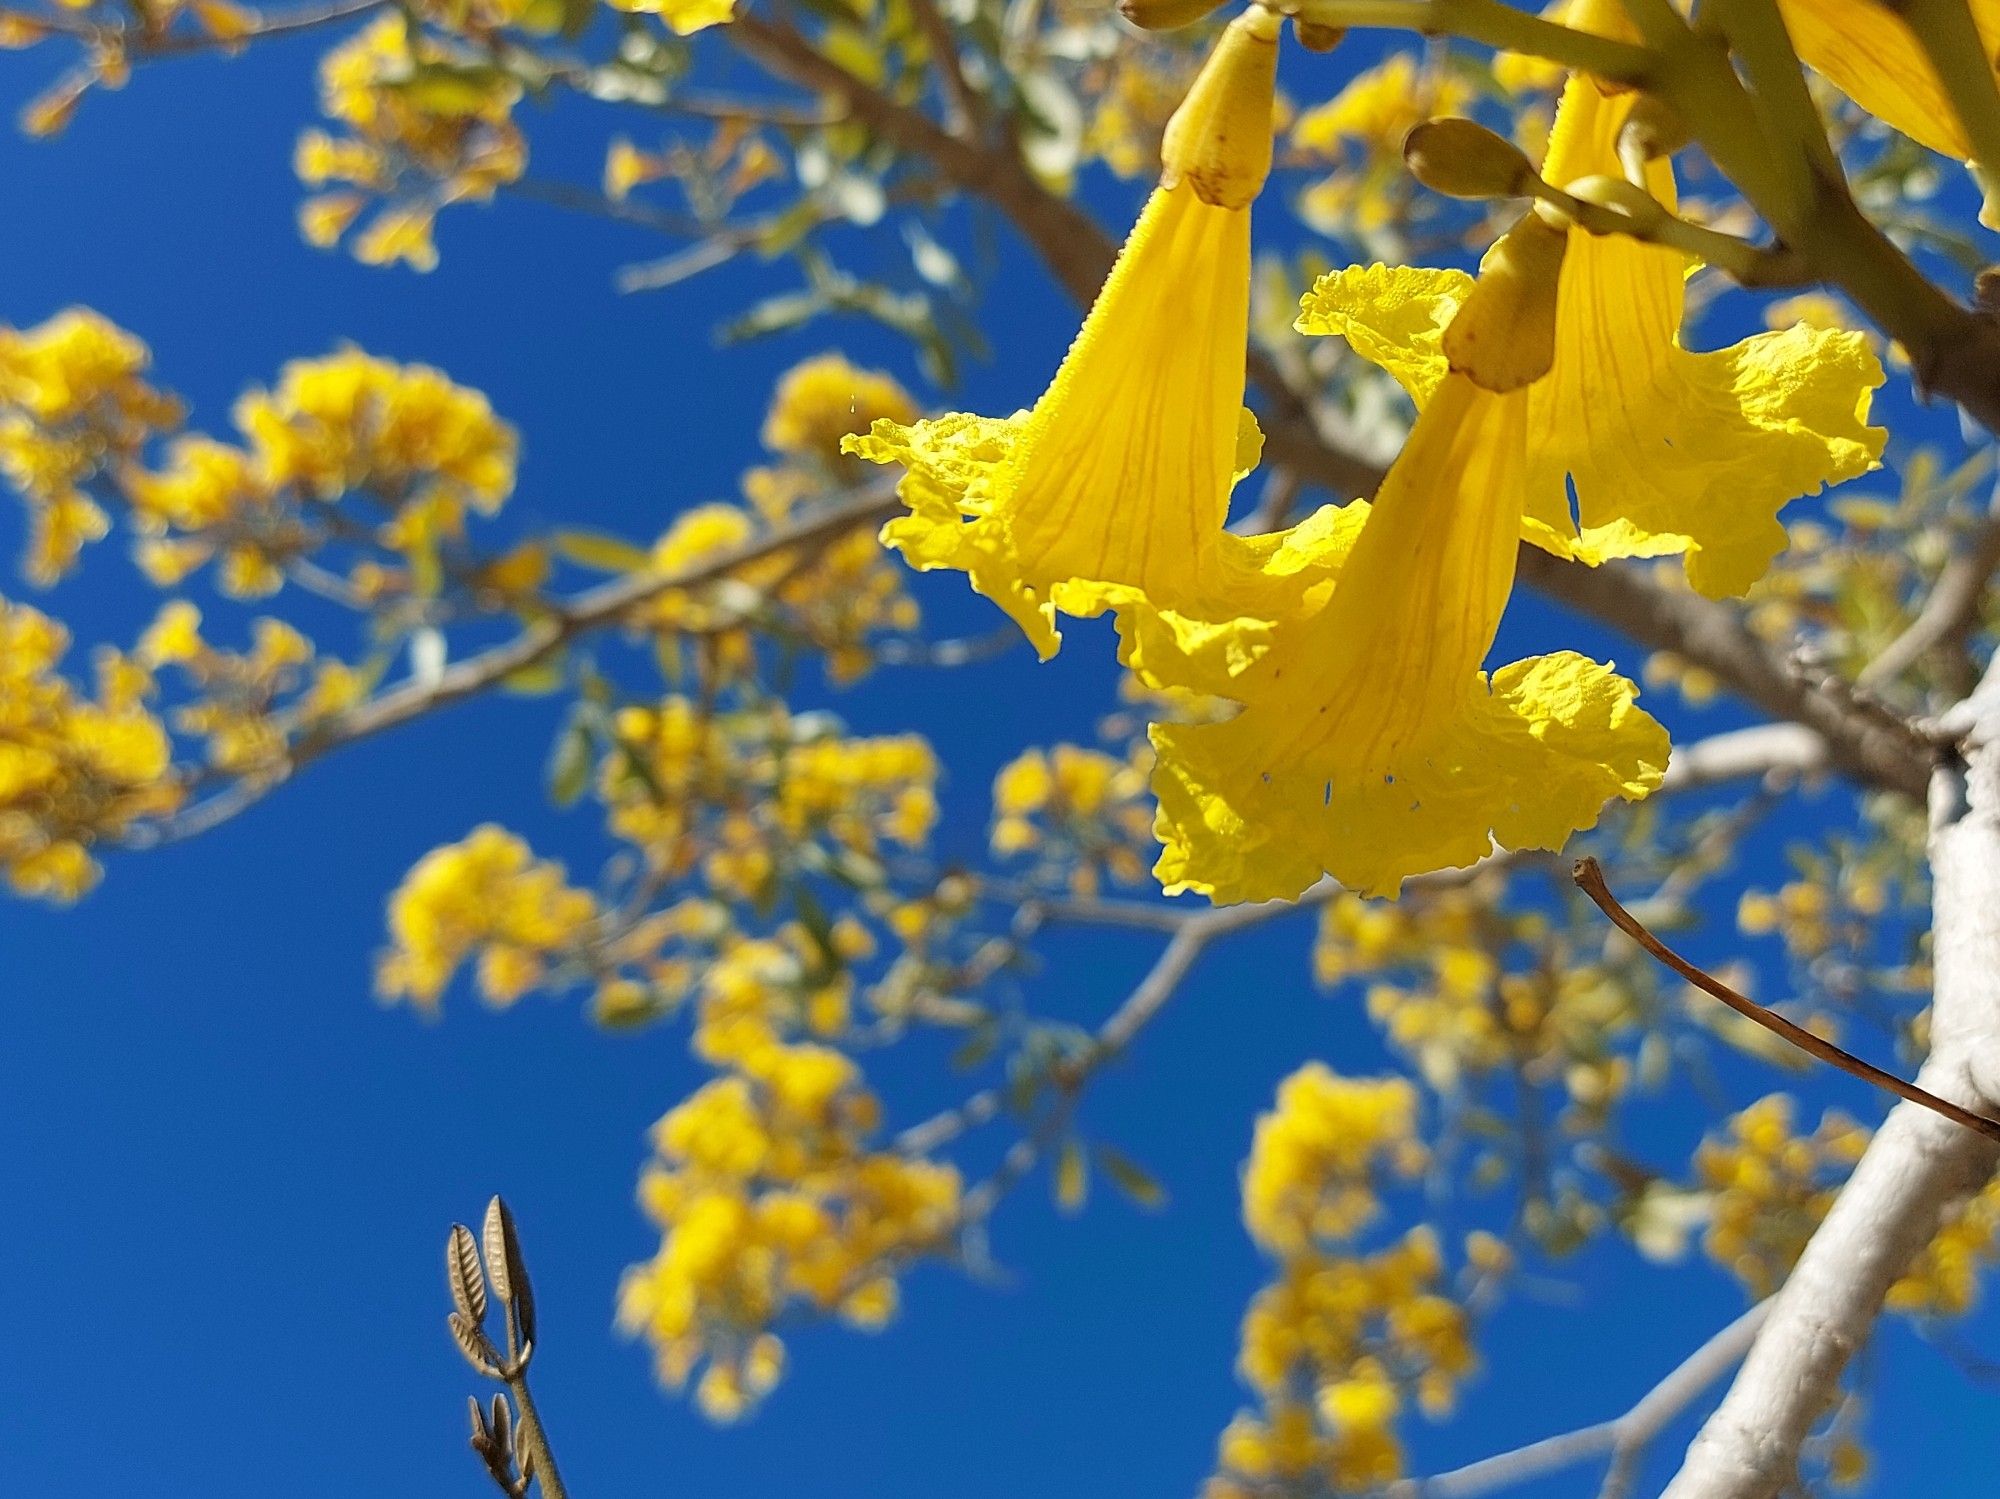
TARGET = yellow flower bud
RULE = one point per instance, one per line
(1165, 15)
(1463, 159)
(1503, 337)
(1219, 140)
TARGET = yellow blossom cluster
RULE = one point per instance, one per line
(752, 796)
(419, 449)
(484, 899)
(1767, 1187)
(1464, 985)
(75, 409)
(240, 694)
(1770, 1186)
(425, 128)
(1340, 1340)
(830, 595)
(1373, 743)
(769, 1197)
(75, 770)
(735, 159)
(1357, 138)
(1082, 813)
(1315, 1159)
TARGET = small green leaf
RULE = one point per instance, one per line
(1072, 1176)
(602, 551)
(537, 680)
(570, 766)
(1132, 1179)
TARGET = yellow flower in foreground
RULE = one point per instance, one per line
(1870, 54)
(1112, 492)
(1668, 450)
(1371, 746)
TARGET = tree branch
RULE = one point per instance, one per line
(1624, 1438)
(1915, 1170)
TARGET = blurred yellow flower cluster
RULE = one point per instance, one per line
(426, 129)
(419, 449)
(1768, 1187)
(1314, 1160)
(75, 408)
(754, 795)
(832, 595)
(1082, 813)
(487, 899)
(1357, 136)
(769, 1197)
(74, 770)
(1340, 1339)
(239, 694)
(1464, 985)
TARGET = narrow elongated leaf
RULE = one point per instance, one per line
(1132, 1178)
(1072, 1177)
(478, 1351)
(504, 1267)
(461, 1271)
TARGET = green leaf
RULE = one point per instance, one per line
(452, 90)
(575, 757)
(1132, 1179)
(537, 680)
(602, 551)
(1072, 1176)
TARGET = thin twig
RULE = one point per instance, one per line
(1589, 876)
(1625, 1438)
(1949, 613)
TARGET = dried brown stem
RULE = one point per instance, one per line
(1589, 876)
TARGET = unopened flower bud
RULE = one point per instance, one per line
(1219, 140)
(1166, 15)
(1504, 335)
(1317, 36)
(1463, 159)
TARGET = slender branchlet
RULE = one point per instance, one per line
(1589, 876)
(508, 1438)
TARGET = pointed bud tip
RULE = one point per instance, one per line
(1503, 337)
(1219, 140)
(1166, 15)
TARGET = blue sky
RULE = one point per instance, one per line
(226, 1171)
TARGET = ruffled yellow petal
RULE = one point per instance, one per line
(1668, 451)
(1672, 451)
(1370, 745)
(1113, 490)
(1118, 481)
(1394, 316)
(1870, 54)
(1536, 754)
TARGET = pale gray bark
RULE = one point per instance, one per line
(1917, 1168)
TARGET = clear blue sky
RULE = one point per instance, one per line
(225, 1171)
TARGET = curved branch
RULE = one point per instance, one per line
(1624, 1438)
(1915, 1170)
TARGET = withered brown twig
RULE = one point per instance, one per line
(1589, 877)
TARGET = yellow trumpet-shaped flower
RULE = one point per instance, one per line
(1668, 450)
(1868, 52)
(1370, 745)
(1113, 490)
